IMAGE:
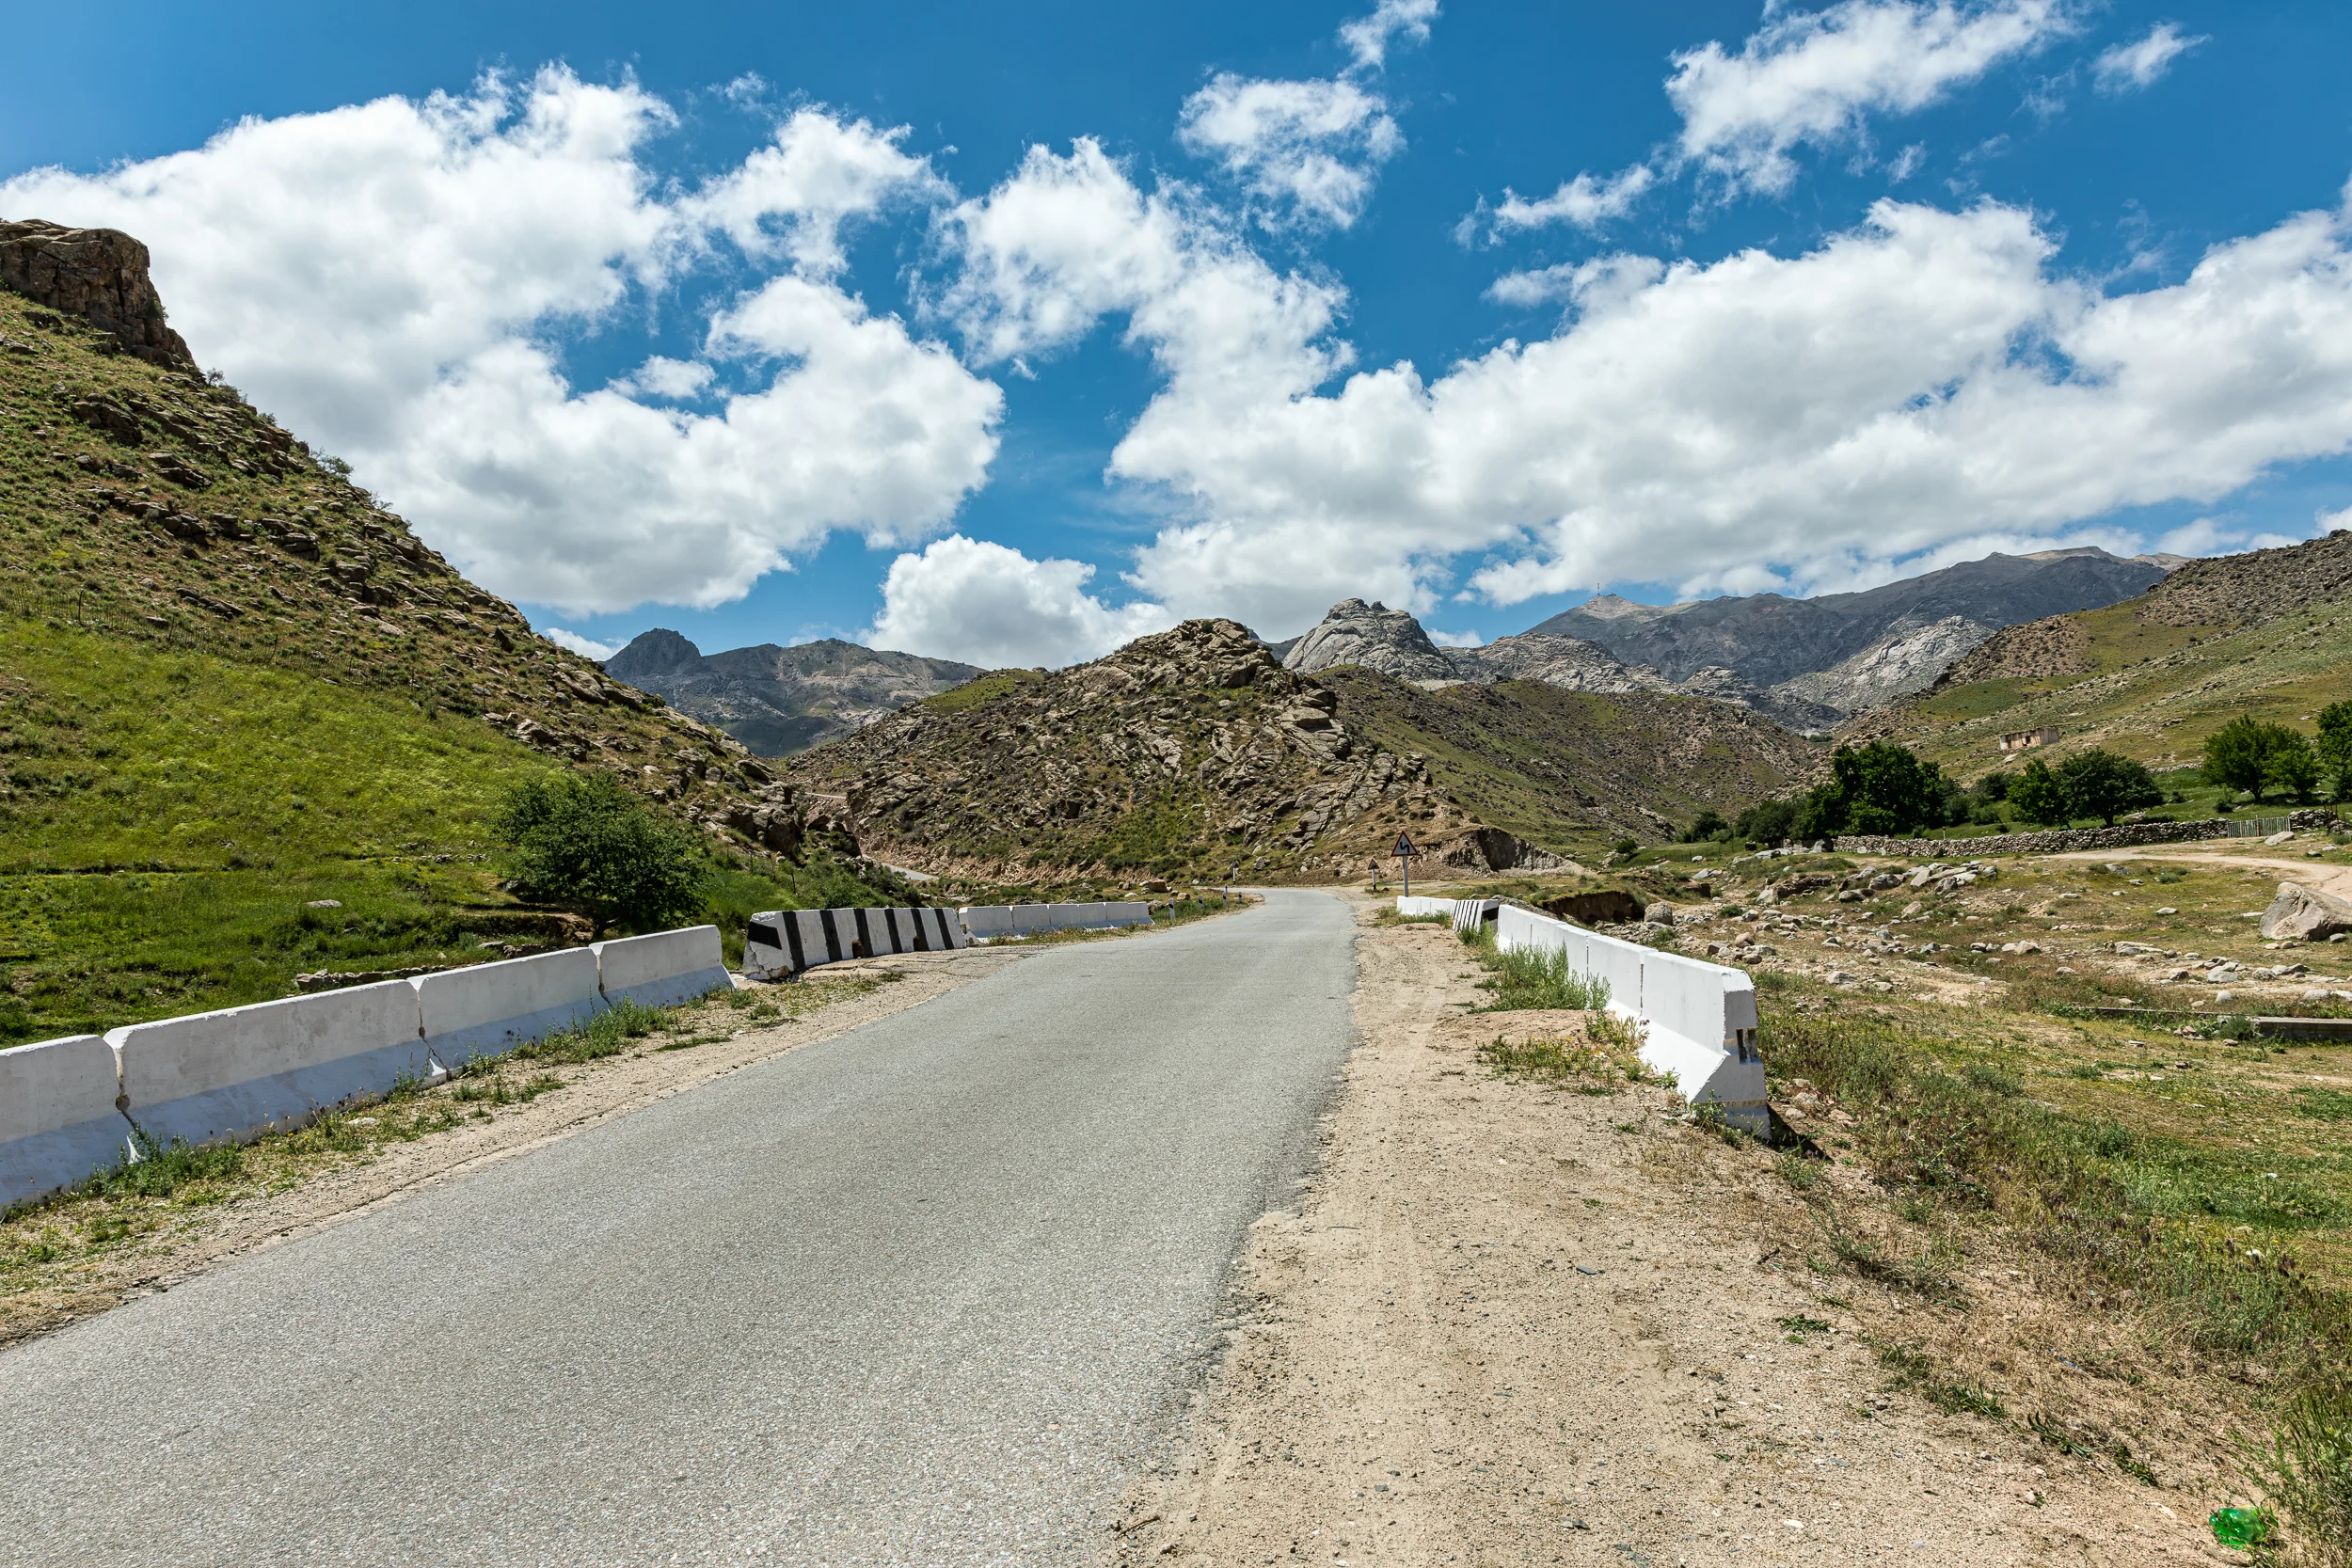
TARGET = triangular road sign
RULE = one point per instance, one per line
(1404, 846)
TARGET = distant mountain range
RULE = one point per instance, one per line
(1804, 663)
(779, 701)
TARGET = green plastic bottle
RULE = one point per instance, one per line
(2241, 1527)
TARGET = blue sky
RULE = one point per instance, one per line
(1007, 333)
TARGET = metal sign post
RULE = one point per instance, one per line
(1405, 854)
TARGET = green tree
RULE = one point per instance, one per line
(2100, 783)
(1707, 825)
(2290, 764)
(2250, 755)
(582, 842)
(2335, 748)
(2036, 794)
(1769, 823)
(1886, 789)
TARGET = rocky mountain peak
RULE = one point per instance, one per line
(658, 652)
(1376, 637)
(99, 275)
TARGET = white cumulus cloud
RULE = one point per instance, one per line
(989, 605)
(1815, 76)
(2129, 67)
(1927, 382)
(389, 278)
(1309, 147)
(1367, 38)
(1584, 202)
(587, 647)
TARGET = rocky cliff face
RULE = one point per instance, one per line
(1908, 658)
(98, 274)
(781, 701)
(1375, 637)
(1769, 639)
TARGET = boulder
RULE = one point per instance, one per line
(2301, 914)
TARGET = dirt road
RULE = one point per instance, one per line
(1514, 1323)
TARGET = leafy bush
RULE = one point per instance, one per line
(582, 842)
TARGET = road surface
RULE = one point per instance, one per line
(928, 1292)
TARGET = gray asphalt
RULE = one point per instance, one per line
(929, 1292)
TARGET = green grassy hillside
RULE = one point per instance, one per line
(2153, 691)
(250, 725)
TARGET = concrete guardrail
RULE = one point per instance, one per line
(1699, 1019)
(60, 1121)
(230, 1075)
(782, 943)
(67, 1106)
(662, 970)
(489, 1009)
(1417, 907)
(994, 922)
(1471, 913)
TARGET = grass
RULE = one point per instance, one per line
(1914, 1372)
(2144, 1208)
(1526, 978)
(220, 764)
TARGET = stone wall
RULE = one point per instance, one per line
(99, 275)
(2064, 840)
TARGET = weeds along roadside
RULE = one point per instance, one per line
(1603, 1051)
(75, 1240)
(1951, 1143)
(1970, 1143)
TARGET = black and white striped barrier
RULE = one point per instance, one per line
(785, 942)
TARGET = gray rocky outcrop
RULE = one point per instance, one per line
(2301, 914)
(1376, 637)
(98, 274)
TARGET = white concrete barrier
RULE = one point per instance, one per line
(58, 1121)
(233, 1074)
(1699, 1019)
(986, 921)
(1417, 907)
(785, 942)
(489, 1009)
(1471, 913)
(663, 969)
(995, 922)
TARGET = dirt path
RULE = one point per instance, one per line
(1515, 1323)
(2319, 874)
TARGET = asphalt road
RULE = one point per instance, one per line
(927, 1293)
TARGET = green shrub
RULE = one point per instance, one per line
(582, 842)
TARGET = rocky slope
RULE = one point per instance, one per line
(1373, 636)
(1907, 659)
(2262, 634)
(778, 700)
(142, 503)
(1769, 640)
(1187, 753)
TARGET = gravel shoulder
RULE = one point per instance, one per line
(1511, 1323)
